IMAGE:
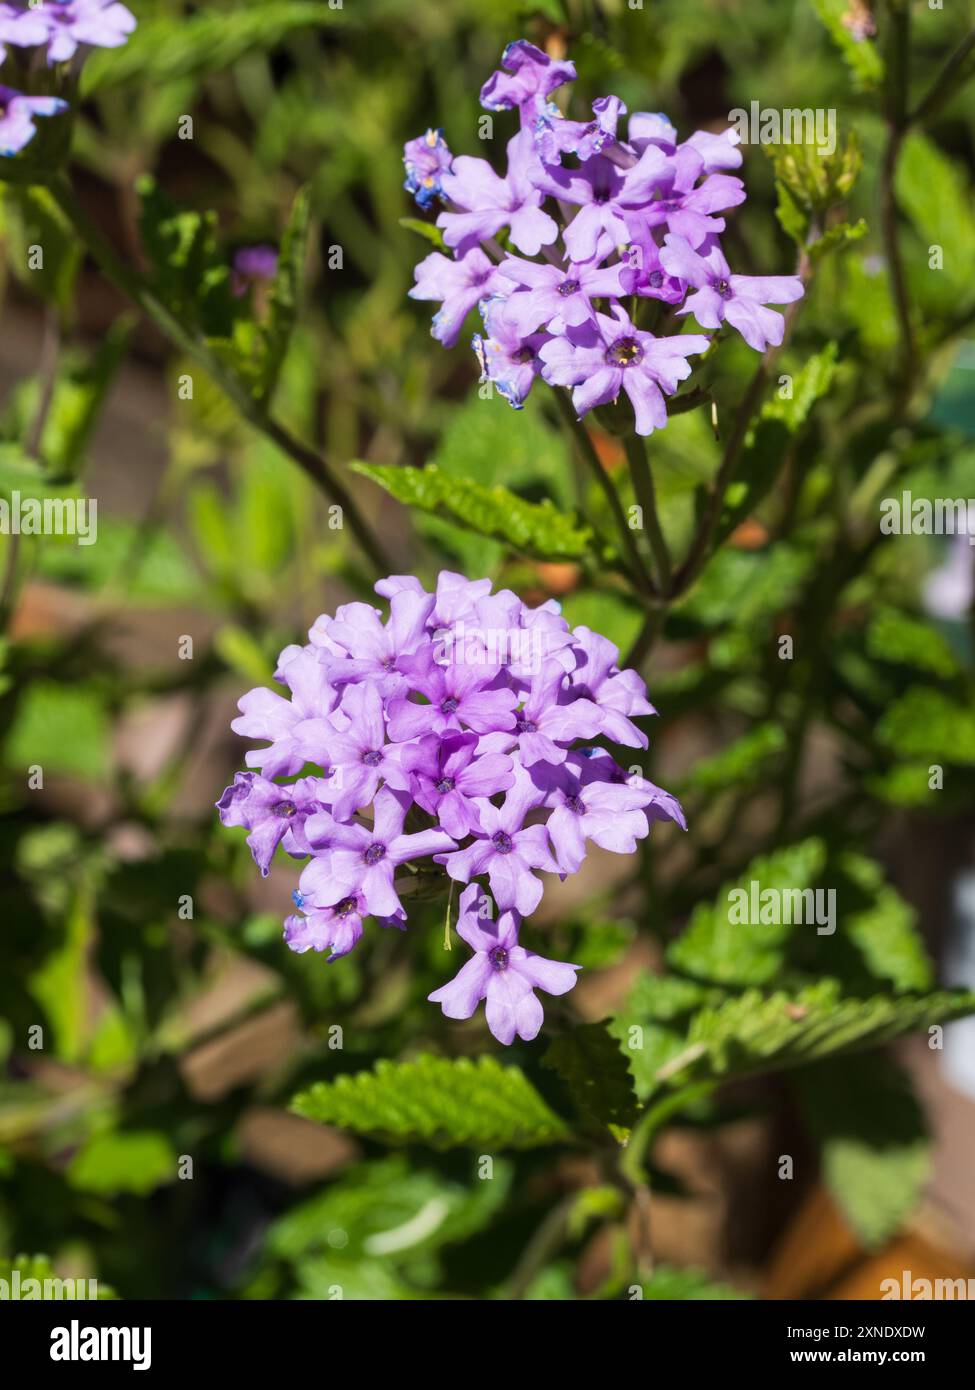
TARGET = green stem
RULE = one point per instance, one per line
(135, 288)
(642, 478)
(949, 81)
(637, 570)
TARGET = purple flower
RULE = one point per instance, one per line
(685, 209)
(610, 356)
(272, 813)
(426, 159)
(555, 136)
(507, 851)
(265, 714)
(17, 114)
(447, 774)
(609, 812)
(619, 695)
(488, 202)
(559, 296)
(96, 23)
(501, 972)
(549, 720)
(336, 929)
(739, 299)
(506, 356)
(24, 28)
(597, 188)
(361, 860)
(717, 151)
(460, 284)
(361, 648)
(359, 754)
(457, 697)
(648, 279)
(252, 264)
(528, 73)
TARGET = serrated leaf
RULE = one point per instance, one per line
(651, 1028)
(754, 1033)
(714, 948)
(859, 53)
(875, 1151)
(536, 528)
(883, 930)
(589, 1061)
(837, 238)
(439, 1101)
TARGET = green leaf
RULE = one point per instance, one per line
(428, 230)
(438, 1101)
(875, 1151)
(79, 395)
(883, 930)
(39, 222)
(860, 54)
(925, 723)
(284, 295)
(652, 1026)
(63, 728)
(743, 763)
(754, 1033)
(810, 383)
(536, 528)
(589, 1061)
(904, 641)
(837, 238)
(715, 949)
(387, 1211)
(935, 193)
(136, 1161)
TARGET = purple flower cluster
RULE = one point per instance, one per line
(61, 27)
(635, 218)
(459, 730)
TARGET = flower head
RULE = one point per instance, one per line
(464, 711)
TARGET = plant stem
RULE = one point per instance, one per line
(135, 288)
(642, 477)
(638, 572)
(947, 83)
